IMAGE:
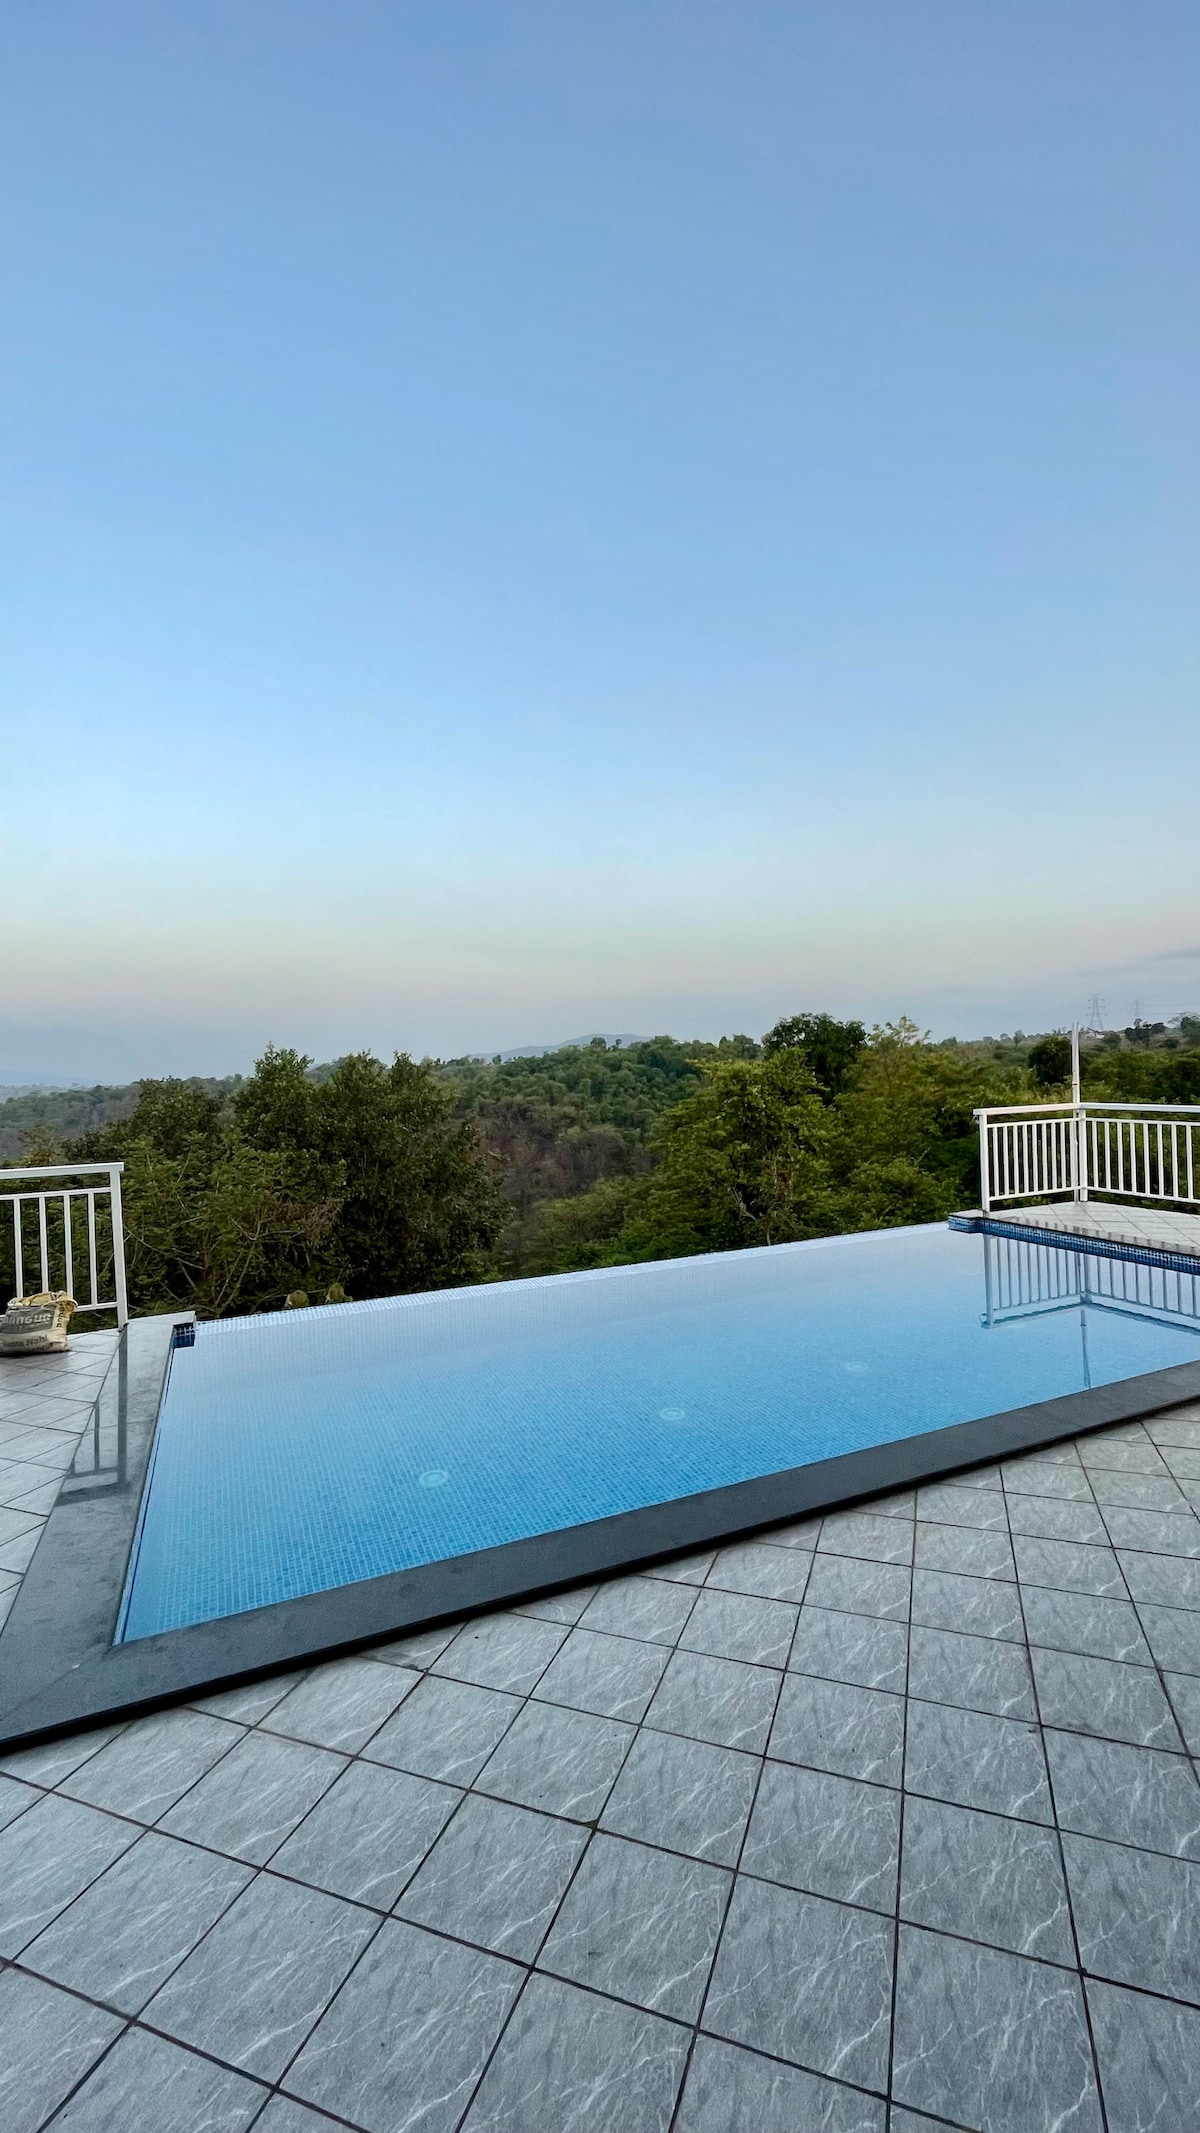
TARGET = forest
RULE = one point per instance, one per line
(360, 1178)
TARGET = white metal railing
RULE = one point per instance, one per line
(61, 1228)
(1125, 1151)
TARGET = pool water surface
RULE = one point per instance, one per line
(300, 1451)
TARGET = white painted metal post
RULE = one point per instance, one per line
(1081, 1146)
(985, 1183)
(118, 1231)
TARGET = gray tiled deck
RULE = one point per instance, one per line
(900, 1804)
(45, 1402)
(1164, 1229)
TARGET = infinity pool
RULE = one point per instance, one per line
(304, 1450)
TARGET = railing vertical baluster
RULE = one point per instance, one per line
(93, 1270)
(68, 1251)
(42, 1245)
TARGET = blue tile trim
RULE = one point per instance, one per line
(1069, 1240)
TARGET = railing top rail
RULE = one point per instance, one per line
(1066, 1109)
(63, 1170)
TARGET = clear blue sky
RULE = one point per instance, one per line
(526, 518)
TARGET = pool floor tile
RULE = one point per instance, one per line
(342, 1705)
(123, 1937)
(833, 1836)
(1137, 1915)
(251, 1800)
(496, 1877)
(444, 1729)
(806, 1980)
(685, 1796)
(985, 1877)
(407, 2038)
(991, 2040)
(190, 2094)
(557, 1760)
(571, 2062)
(831, 1725)
(48, 2040)
(252, 1990)
(718, 1700)
(641, 1925)
(1148, 2052)
(367, 1836)
(977, 1760)
(731, 2090)
(614, 1677)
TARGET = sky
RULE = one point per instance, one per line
(519, 519)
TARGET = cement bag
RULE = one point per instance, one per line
(36, 1325)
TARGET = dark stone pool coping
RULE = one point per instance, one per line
(60, 1670)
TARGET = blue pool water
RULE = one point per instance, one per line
(300, 1451)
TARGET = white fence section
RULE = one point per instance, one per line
(1124, 1151)
(60, 1231)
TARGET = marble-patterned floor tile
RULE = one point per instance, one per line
(190, 2093)
(182, 2092)
(1023, 1477)
(1180, 1432)
(1137, 1492)
(685, 1796)
(444, 1729)
(900, 1503)
(564, 1607)
(763, 1571)
(654, 1609)
(1102, 1696)
(253, 1989)
(860, 1587)
(806, 1980)
(48, 2040)
(50, 1448)
(40, 1498)
(729, 2088)
(1079, 1622)
(613, 1676)
(560, 1761)
(153, 1763)
(1137, 1915)
(991, 2040)
(404, 2043)
(985, 1877)
(641, 1925)
(368, 1835)
(1184, 1465)
(421, 1647)
(871, 1534)
(719, 1700)
(1053, 1518)
(17, 1554)
(342, 1705)
(122, 1938)
(831, 1725)
(15, 1798)
(977, 1760)
(47, 1858)
(1104, 1788)
(253, 1798)
(1132, 1456)
(495, 1877)
(980, 1673)
(968, 1550)
(501, 1652)
(54, 1760)
(284, 2115)
(1068, 1566)
(1155, 1532)
(249, 1701)
(1164, 1580)
(687, 1569)
(1148, 2052)
(979, 1607)
(940, 1503)
(833, 1836)
(1184, 1692)
(17, 1525)
(735, 1625)
(865, 1649)
(798, 1533)
(571, 2062)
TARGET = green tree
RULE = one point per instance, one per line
(1049, 1061)
(829, 1048)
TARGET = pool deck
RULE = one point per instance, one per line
(45, 1403)
(1159, 1229)
(882, 1822)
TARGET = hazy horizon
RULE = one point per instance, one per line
(520, 519)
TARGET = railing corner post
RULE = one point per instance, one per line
(118, 1233)
(985, 1183)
